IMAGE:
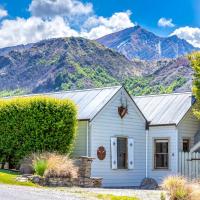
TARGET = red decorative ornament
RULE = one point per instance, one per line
(122, 111)
(101, 153)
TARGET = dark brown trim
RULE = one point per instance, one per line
(83, 120)
(153, 125)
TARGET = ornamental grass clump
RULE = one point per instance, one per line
(40, 167)
(60, 166)
(54, 165)
(179, 188)
(176, 187)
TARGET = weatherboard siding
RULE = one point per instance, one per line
(80, 147)
(163, 132)
(108, 124)
(187, 128)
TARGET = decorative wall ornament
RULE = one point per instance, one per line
(101, 153)
(123, 109)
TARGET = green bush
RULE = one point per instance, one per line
(35, 124)
(40, 166)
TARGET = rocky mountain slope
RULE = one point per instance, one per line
(76, 63)
(136, 42)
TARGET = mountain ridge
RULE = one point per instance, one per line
(137, 42)
(78, 63)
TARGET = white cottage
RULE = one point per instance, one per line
(132, 137)
(110, 126)
(172, 129)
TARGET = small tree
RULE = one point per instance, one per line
(195, 63)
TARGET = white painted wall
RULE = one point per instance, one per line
(80, 147)
(163, 132)
(108, 124)
(187, 128)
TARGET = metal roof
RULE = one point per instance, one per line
(88, 101)
(165, 109)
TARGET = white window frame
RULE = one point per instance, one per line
(130, 153)
(154, 153)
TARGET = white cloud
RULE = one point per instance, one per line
(96, 27)
(56, 18)
(3, 13)
(22, 31)
(52, 8)
(192, 35)
(163, 22)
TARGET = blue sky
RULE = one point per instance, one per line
(95, 18)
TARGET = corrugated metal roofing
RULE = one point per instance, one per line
(165, 109)
(88, 101)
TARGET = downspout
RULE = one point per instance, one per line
(87, 139)
(147, 137)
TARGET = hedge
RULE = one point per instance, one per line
(35, 124)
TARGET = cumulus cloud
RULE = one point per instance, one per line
(192, 35)
(3, 13)
(163, 22)
(54, 18)
(96, 27)
(23, 31)
(52, 8)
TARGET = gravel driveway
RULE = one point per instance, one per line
(8, 192)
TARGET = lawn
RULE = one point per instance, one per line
(9, 177)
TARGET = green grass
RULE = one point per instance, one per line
(9, 177)
(113, 197)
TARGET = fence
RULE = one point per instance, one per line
(189, 165)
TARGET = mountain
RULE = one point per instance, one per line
(136, 42)
(77, 63)
(64, 63)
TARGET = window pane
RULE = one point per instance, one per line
(161, 160)
(161, 154)
(161, 147)
(186, 145)
(122, 153)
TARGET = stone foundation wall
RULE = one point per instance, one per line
(84, 179)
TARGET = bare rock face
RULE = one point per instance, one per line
(149, 184)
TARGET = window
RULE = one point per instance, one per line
(121, 153)
(161, 157)
(186, 145)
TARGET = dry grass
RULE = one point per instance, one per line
(60, 166)
(57, 165)
(180, 189)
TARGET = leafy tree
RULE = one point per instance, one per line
(195, 62)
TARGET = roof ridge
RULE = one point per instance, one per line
(80, 90)
(63, 91)
(166, 94)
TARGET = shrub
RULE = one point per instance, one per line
(60, 166)
(52, 165)
(40, 167)
(179, 189)
(36, 124)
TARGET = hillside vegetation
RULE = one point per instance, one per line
(77, 63)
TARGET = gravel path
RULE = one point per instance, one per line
(8, 192)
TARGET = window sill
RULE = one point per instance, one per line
(161, 170)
